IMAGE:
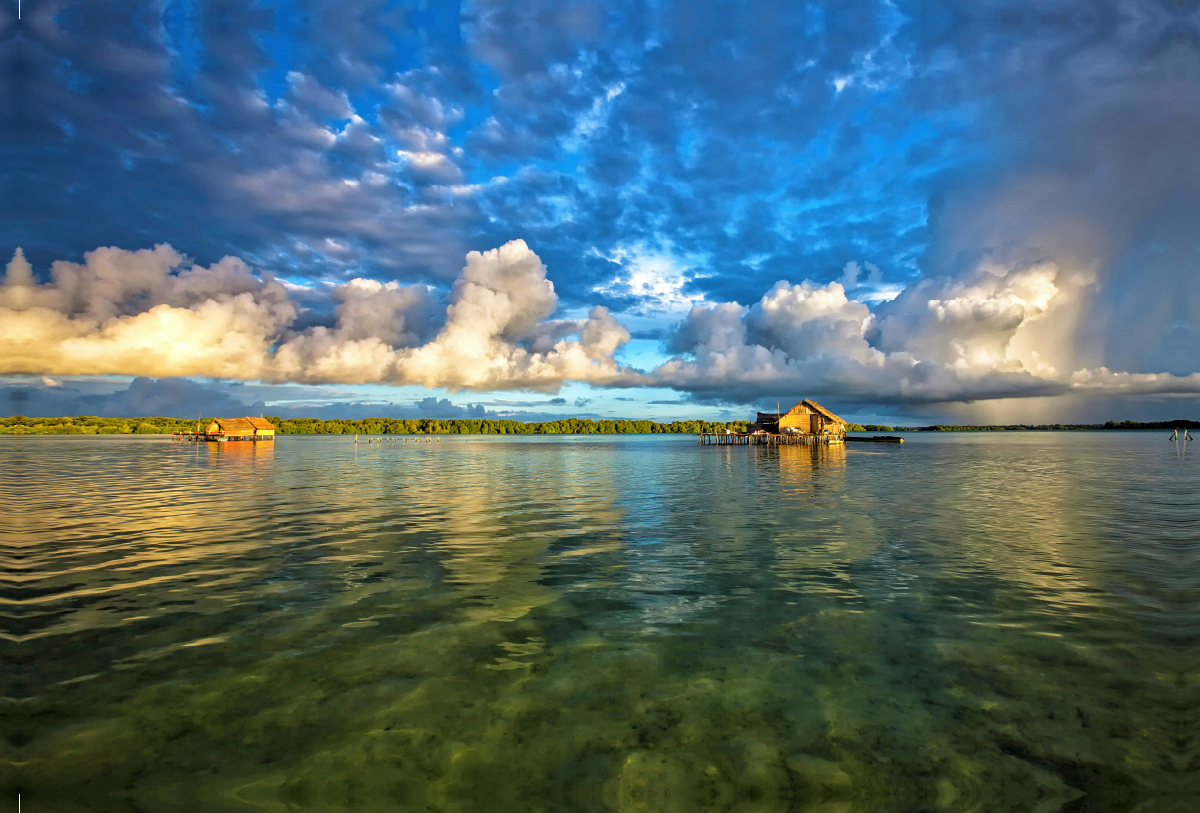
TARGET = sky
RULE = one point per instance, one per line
(910, 211)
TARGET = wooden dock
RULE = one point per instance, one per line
(875, 439)
(766, 439)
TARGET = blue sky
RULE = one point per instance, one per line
(976, 209)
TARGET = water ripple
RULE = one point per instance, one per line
(969, 622)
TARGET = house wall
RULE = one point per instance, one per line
(801, 421)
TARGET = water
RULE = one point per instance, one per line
(968, 622)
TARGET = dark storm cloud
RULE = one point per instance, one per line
(181, 398)
(170, 397)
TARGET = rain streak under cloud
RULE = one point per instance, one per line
(893, 206)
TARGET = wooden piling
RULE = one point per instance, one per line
(768, 439)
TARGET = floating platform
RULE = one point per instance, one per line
(766, 439)
(875, 439)
(202, 437)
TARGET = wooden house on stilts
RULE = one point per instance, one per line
(805, 418)
(223, 429)
(806, 423)
(240, 429)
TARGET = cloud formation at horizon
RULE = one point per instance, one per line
(149, 312)
(184, 398)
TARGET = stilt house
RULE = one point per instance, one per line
(241, 429)
(805, 418)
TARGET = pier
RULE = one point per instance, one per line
(767, 439)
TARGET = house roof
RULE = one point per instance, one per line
(239, 426)
(769, 418)
(815, 407)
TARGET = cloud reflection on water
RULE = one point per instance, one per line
(615, 623)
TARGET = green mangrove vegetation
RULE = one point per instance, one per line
(92, 425)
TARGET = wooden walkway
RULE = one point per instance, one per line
(723, 439)
(203, 436)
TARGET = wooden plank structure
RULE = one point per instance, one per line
(806, 424)
(766, 439)
(226, 429)
(806, 417)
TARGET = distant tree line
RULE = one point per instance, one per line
(92, 425)
(486, 426)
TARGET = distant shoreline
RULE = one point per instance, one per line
(92, 425)
(158, 425)
(1047, 427)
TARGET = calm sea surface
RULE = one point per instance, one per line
(986, 622)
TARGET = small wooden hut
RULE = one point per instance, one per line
(240, 429)
(805, 418)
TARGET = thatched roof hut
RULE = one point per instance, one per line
(806, 417)
(239, 428)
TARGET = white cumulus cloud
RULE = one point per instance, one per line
(152, 313)
(996, 331)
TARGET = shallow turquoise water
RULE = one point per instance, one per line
(968, 622)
